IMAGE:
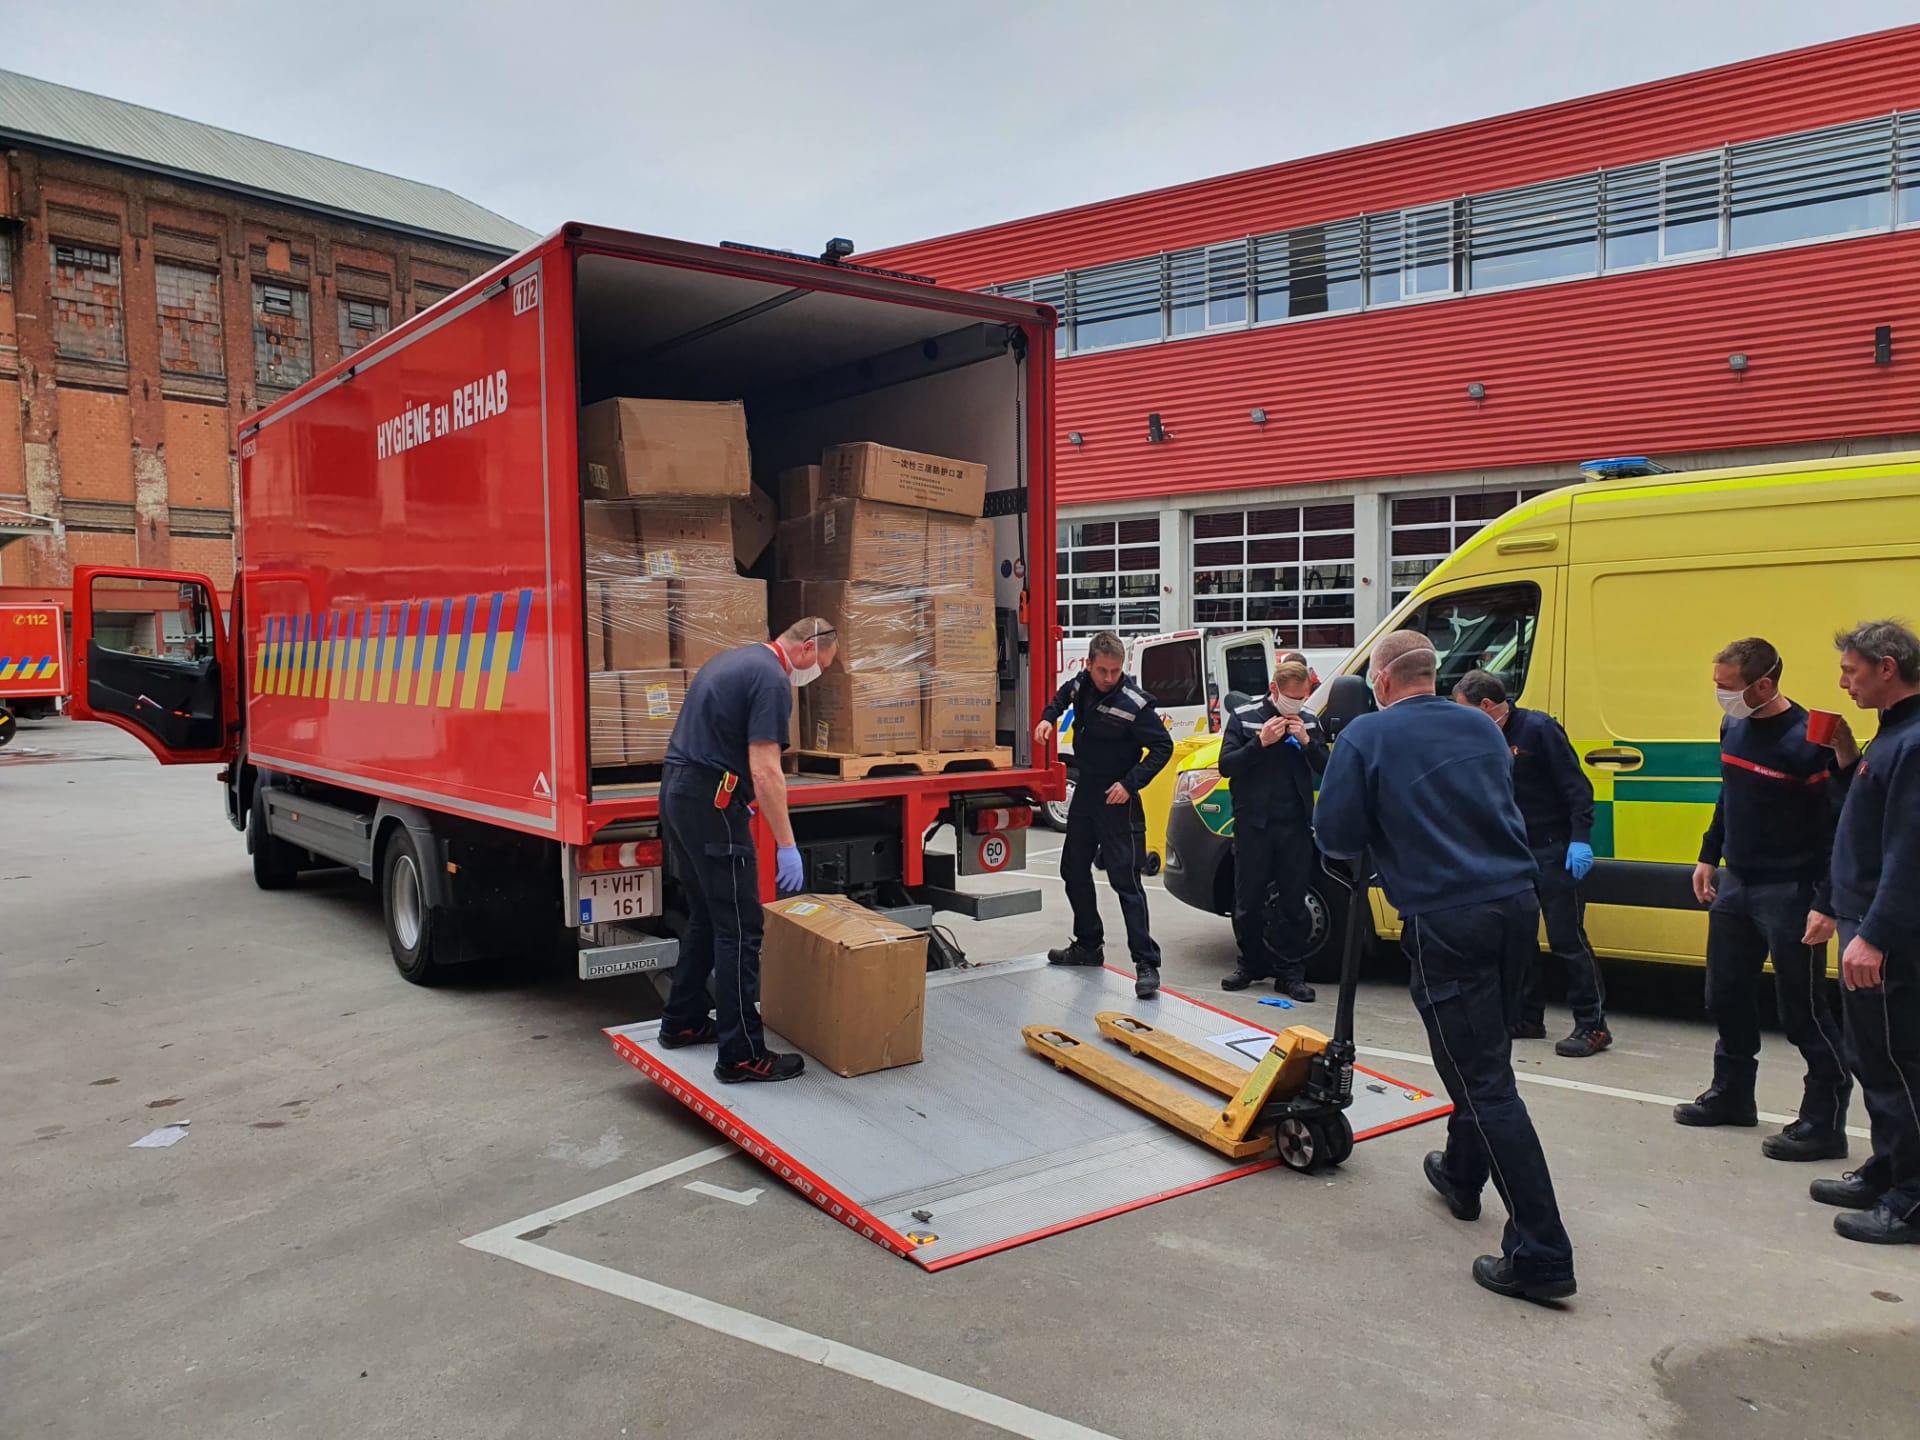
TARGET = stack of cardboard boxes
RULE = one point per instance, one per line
(670, 509)
(887, 544)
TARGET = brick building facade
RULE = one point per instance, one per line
(142, 315)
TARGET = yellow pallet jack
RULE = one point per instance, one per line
(1292, 1103)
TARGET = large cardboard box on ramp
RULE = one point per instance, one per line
(844, 984)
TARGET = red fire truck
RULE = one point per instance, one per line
(402, 685)
(33, 663)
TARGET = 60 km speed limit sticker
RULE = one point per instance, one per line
(994, 852)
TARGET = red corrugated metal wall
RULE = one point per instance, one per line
(1620, 364)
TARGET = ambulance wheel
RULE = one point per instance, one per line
(275, 862)
(1339, 1140)
(1301, 1144)
(1056, 810)
(412, 926)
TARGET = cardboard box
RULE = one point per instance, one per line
(606, 721)
(905, 477)
(841, 983)
(713, 614)
(651, 701)
(878, 624)
(792, 548)
(958, 710)
(800, 491)
(610, 545)
(633, 625)
(786, 603)
(753, 526)
(634, 448)
(865, 540)
(684, 537)
(870, 713)
(959, 632)
(960, 554)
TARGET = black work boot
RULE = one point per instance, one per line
(771, 1066)
(1718, 1107)
(1146, 982)
(702, 1033)
(1878, 1226)
(1804, 1140)
(1078, 954)
(1527, 1030)
(1584, 1041)
(1240, 979)
(1852, 1191)
(1465, 1206)
(1299, 991)
(1496, 1273)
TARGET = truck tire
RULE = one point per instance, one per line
(6, 725)
(275, 862)
(1056, 810)
(412, 925)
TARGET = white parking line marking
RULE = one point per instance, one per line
(922, 1385)
(1555, 1082)
(720, 1192)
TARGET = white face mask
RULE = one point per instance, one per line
(1734, 702)
(1287, 705)
(805, 677)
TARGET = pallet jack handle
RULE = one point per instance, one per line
(1358, 875)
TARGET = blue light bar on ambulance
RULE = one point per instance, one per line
(1622, 467)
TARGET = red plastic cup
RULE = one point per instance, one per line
(1822, 726)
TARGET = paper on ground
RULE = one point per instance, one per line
(159, 1139)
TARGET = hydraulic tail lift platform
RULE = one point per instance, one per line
(978, 1149)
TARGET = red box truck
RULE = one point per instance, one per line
(403, 684)
(33, 663)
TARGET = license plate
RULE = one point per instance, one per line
(619, 895)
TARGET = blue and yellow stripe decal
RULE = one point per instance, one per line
(450, 654)
(29, 667)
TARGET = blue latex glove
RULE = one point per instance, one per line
(1579, 859)
(789, 878)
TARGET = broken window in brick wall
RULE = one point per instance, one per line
(190, 335)
(87, 310)
(282, 336)
(361, 322)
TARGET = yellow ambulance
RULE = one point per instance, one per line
(1603, 605)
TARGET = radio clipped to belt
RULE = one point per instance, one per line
(723, 793)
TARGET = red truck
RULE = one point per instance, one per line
(402, 686)
(33, 663)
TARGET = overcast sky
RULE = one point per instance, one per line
(785, 123)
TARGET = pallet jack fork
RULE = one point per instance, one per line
(1293, 1102)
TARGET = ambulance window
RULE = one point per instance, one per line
(1170, 673)
(1247, 668)
(1489, 629)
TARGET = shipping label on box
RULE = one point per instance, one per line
(685, 537)
(800, 492)
(632, 448)
(959, 711)
(960, 554)
(905, 477)
(870, 713)
(843, 984)
(865, 540)
(651, 702)
(715, 614)
(633, 624)
(753, 524)
(877, 625)
(960, 632)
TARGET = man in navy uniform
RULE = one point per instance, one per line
(1119, 744)
(1875, 909)
(1773, 826)
(724, 758)
(1272, 751)
(1556, 801)
(1424, 790)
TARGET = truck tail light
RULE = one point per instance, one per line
(1190, 785)
(994, 821)
(634, 855)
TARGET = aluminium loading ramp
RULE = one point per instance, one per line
(984, 1145)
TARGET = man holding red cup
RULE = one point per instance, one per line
(1773, 825)
(1874, 907)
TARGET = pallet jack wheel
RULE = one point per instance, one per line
(1339, 1140)
(1301, 1143)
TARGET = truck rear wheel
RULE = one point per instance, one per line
(412, 928)
(275, 862)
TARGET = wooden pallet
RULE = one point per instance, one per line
(926, 762)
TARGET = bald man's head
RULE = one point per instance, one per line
(1403, 664)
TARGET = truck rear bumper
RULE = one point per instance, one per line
(638, 956)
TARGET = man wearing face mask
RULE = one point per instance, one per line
(1424, 790)
(1773, 825)
(1272, 750)
(1556, 801)
(722, 761)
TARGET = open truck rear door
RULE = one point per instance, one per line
(155, 659)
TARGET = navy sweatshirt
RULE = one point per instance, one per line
(1555, 796)
(1876, 851)
(1272, 784)
(1425, 787)
(1778, 803)
(1117, 736)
